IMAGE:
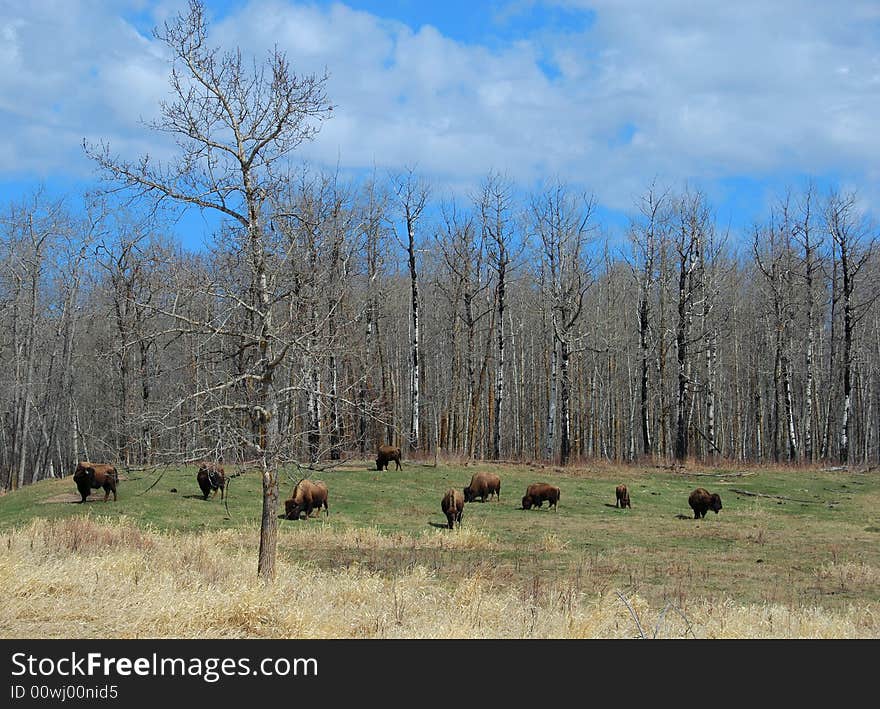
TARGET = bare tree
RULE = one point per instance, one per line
(772, 248)
(647, 238)
(412, 195)
(810, 242)
(234, 124)
(690, 242)
(854, 246)
(562, 223)
(496, 220)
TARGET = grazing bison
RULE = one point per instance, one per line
(452, 505)
(483, 485)
(308, 495)
(622, 497)
(537, 493)
(385, 455)
(92, 476)
(211, 476)
(701, 501)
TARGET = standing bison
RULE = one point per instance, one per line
(385, 455)
(622, 497)
(483, 485)
(93, 476)
(308, 495)
(701, 501)
(537, 493)
(211, 476)
(452, 505)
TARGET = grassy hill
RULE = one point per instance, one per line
(802, 538)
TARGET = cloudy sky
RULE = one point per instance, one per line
(738, 98)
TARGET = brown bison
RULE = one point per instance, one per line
(622, 497)
(92, 476)
(211, 476)
(701, 501)
(308, 495)
(385, 455)
(483, 485)
(452, 505)
(537, 493)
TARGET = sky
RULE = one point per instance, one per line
(739, 99)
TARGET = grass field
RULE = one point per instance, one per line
(804, 550)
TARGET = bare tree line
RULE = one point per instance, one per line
(681, 343)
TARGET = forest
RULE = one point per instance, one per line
(505, 326)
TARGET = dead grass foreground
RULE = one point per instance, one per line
(76, 578)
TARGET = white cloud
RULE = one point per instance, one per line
(674, 90)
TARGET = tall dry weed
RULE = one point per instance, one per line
(78, 578)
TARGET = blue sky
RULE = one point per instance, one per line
(739, 99)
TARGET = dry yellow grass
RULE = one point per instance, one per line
(370, 538)
(77, 578)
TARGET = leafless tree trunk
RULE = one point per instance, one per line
(644, 238)
(561, 222)
(810, 244)
(854, 248)
(412, 195)
(495, 213)
(689, 243)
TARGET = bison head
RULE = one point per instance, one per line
(292, 509)
(527, 502)
(84, 476)
(715, 502)
(468, 494)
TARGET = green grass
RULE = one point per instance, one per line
(823, 549)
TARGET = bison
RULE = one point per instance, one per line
(308, 495)
(92, 476)
(211, 476)
(483, 485)
(537, 493)
(385, 455)
(701, 501)
(622, 497)
(452, 505)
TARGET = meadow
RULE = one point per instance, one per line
(793, 553)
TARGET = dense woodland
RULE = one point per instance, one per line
(329, 315)
(509, 327)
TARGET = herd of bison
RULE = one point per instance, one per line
(311, 495)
